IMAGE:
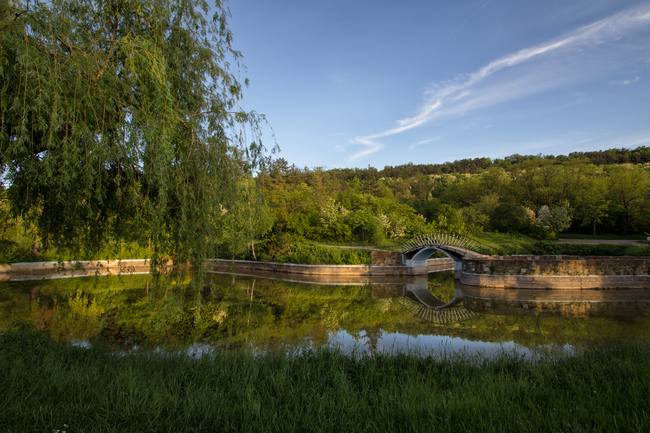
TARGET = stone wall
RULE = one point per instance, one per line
(214, 265)
(557, 265)
(557, 272)
(245, 266)
(385, 258)
(437, 265)
(42, 270)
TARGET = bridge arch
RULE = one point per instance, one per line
(416, 251)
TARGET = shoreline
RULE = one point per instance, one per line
(27, 271)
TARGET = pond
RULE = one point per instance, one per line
(261, 314)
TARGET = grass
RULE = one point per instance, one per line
(505, 243)
(509, 244)
(604, 249)
(48, 386)
(601, 237)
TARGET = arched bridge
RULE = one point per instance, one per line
(416, 251)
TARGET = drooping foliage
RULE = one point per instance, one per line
(120, 119)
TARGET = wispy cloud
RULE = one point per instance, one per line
(500, 81)
(624, 82)
(421, 143)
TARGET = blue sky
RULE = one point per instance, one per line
(360, 83)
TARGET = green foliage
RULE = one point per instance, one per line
(311, 254)
(553, 220)
(628, 192)
(308, 253)
(511, 218)
(121, 121)
(246, 218)
(372, 207)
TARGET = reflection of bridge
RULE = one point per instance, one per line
(441, 314)
(416, 251)
(417, 297)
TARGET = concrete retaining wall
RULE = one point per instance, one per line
(244, 266)
(290, 268)
(557, 272)
(556, 265)
(44, 270)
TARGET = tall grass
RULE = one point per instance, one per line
(47, 386)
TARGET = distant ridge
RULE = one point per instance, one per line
(640, 155)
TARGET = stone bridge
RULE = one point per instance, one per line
(416, 251)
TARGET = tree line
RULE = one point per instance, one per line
(536, 196)
(639, 155)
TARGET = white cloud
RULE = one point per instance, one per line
(624, 82)
(423, 142)
(528, 71)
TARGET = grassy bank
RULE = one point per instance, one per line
(302, 252)
(604, 249)
(48, 387)
(504, 243)
(509, 244)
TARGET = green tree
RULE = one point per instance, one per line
(510, 217)
(553, 220)
(591, 201)
(628, 187)
(122, 117)
(247, 218)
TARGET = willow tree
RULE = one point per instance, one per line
(122, 117)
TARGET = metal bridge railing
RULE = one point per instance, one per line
(440, 317)
(445, 239)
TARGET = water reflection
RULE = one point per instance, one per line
(424, 345)
(374, 316)
(624, 303)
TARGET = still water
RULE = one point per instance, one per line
(262, 314)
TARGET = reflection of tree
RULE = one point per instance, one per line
(265, 314)
(373, 336)
(441, 285)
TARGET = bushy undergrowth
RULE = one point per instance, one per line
(49, 387)
(313, 254)
(302, 252)
(15, 252)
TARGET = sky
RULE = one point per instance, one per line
(358, 83)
